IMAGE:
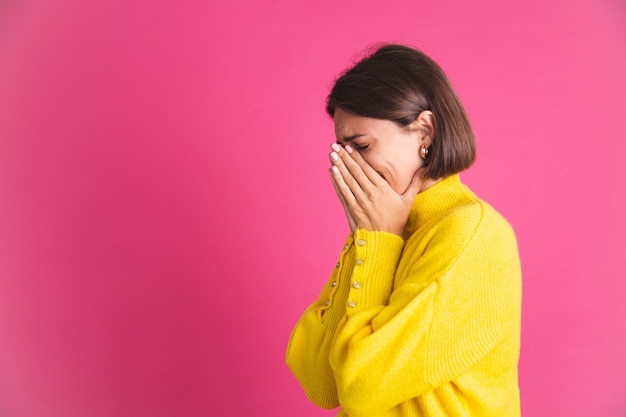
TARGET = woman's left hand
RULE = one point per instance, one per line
(365, 194)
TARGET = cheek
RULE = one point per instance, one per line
(411, 160)
(406, 166)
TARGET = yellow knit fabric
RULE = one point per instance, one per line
(424, 325)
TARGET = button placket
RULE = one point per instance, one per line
(335, 276)
(361, 257)
(360, 251)
(333, 287)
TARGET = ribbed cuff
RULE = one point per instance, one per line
(376, 259)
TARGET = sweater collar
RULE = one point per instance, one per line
(435, 200)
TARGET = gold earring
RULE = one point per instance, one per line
(424, 152)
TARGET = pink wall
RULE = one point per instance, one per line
(166, 214)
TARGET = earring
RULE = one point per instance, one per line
(424, 152)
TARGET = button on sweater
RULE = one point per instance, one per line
(424, 324)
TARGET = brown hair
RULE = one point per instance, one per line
(397, 83)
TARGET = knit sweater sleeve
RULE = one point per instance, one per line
(454, 300)
(308, 350)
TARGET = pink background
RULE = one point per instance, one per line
(166, 214)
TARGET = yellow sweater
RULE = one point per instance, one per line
(424, 325)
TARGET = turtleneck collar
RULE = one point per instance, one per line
(435, 200)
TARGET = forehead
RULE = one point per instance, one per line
(347, 124)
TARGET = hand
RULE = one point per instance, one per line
(351, 221)
(368, 200)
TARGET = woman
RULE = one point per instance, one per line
(421, 316)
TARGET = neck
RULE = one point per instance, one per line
(427, 183)
(434, 198)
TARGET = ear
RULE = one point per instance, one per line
(424, 125)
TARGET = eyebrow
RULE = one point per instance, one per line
(351, 137)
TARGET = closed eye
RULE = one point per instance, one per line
(360, 148)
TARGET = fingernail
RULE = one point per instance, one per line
(335, 147)
(334, 156)
(335, 169)
(348, 149)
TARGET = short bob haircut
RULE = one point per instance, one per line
(397, 83)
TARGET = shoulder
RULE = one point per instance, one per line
(473, 228)
(469, 238)
(471, 220)
(481, 240)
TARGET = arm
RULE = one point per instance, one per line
(309, 345)
(454, 302)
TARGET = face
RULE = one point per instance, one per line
(393, 151)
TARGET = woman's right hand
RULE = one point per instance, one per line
(369, 201)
